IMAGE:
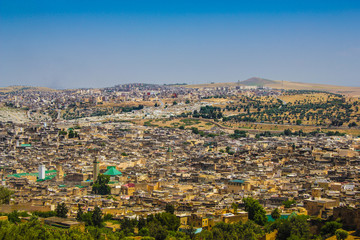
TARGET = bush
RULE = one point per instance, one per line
(341, 234)
(330, 228)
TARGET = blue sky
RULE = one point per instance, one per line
(71, 44)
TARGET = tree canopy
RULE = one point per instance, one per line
(256, 212)
(101, 186)
(61, 210)
(5, 195)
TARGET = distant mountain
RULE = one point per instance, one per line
(25, 89)
(255, 81)
(277, 84)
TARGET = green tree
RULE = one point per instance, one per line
(108, 217)
(96, 217)
(87, 218)
(127, 226)
(206, 235)
(235, 207)
(275, 214)
(5, 195)
(157, 231)
(169, 208)
(170, 221)
(14, 217)
(61, 210)
(341, 234)
(144, 232)
(79, 214)
(249, 231)
(296, 227)
(101, 185)
(71, 133)
(288, 203)
(330, 228)
(44, 214)
(255, 211)
(195, 130)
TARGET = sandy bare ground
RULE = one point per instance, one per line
(14, 115)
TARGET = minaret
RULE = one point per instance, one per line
(42, 174)
(59, 173)
(96, 169)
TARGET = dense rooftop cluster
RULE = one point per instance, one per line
(204, 174)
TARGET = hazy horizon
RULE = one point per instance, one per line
(68, 44)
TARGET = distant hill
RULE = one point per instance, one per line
(25, 89)
(255, 81)
(287, 85)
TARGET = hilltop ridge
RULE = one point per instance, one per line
(256, 81)
(253, 81)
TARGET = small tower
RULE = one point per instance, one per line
(42, 172)
(96, 169)
(169, 154)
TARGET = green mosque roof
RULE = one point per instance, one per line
(112, 171)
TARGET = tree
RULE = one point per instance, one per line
(158, 231)
(288, 203)
(101, 185)
(169, 208)
(108, 217)
(206, 235)
(144, 232)
(79, 214)
(14, 217)
(175, 103)
(44, 214)
(141, 222)
(71, 134)
(275, 214)
(5, 195)
(330, 228)
(353, 124)
(287, 132)
(255, 211)
(195, 130)
(238, 230)
(96, 217)
(61, 210)
(191, 231)
(341, 234)
(87, 218)
(234, 206)
(168, 220)
(296, 227)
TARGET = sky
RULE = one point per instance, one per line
(85, 44)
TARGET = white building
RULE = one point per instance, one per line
(42, 172)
